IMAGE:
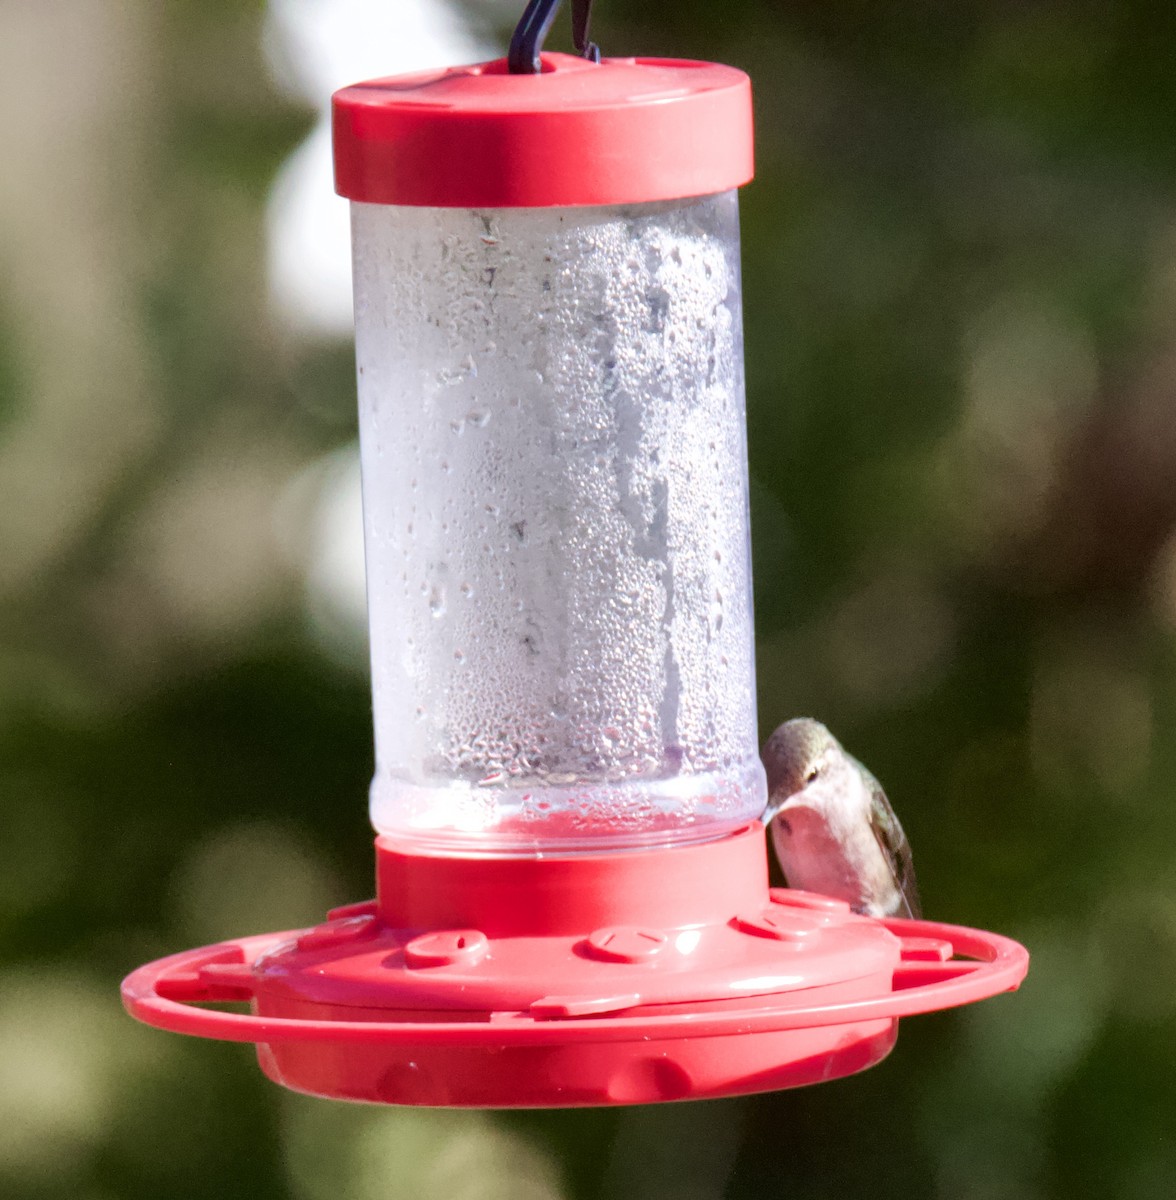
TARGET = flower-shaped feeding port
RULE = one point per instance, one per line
(572, 895)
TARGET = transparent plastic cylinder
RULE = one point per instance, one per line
(556, 523)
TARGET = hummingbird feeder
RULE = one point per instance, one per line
(572, 889)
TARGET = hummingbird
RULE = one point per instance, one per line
(832, 827)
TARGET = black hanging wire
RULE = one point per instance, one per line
(535, 24)
(581, 16)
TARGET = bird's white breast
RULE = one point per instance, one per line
(825, 842)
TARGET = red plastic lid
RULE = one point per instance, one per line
(624, 130)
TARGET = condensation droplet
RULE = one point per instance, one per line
(452, 376)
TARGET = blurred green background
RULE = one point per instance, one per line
(960, 297)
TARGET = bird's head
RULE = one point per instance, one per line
(799, 755)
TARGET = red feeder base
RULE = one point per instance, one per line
(621, 978)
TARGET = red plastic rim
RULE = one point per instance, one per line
(622, 131)
(162, 994)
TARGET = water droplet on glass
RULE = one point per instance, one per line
(452, 376)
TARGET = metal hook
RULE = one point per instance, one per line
(533, 28)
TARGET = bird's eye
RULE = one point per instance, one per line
(811, 777)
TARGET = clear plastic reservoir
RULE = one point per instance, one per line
(555, 505)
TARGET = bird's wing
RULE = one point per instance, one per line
(886, 828)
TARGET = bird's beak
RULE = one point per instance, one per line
(775, 808)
